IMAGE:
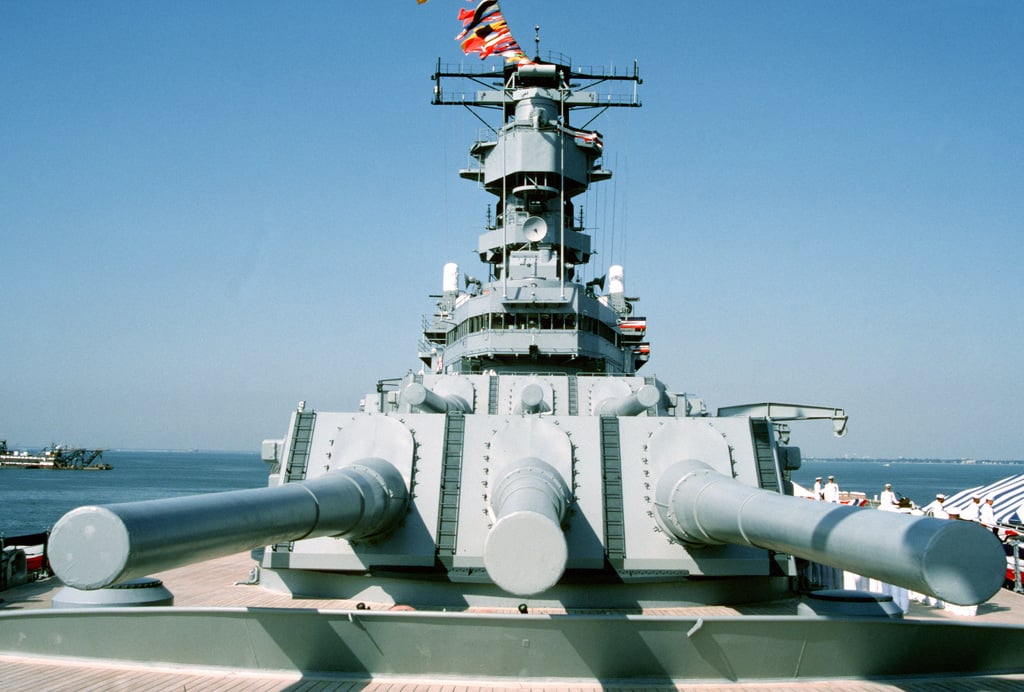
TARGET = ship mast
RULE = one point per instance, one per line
(532, 314)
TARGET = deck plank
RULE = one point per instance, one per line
(25, 675)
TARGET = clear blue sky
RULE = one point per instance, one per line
(212, 210)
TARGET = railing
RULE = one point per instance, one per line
(475, 69)
(472, 99)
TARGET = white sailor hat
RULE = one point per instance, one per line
(940, 496)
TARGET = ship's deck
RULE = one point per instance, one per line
(221, 583)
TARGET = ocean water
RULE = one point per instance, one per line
(33, 500)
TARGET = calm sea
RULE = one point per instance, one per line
(33, 500)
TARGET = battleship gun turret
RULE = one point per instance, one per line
(528, 458)
(525, 551)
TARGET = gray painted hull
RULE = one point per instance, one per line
(607, 647)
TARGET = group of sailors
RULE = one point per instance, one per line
(981, 512)
(828, 492)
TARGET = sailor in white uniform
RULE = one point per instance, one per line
(887, 500)
(817, 488)
(940, 511)
(972, 510)
(987, 515)
(831, 490)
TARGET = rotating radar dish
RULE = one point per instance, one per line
(535, 228)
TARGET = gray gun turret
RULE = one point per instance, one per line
(532, 508)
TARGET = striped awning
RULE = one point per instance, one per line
(1007, 495)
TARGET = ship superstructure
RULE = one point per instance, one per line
(531, 314)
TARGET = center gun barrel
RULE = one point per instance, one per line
(525, 552)
(93, 547)
(957, 561)
(632, 404)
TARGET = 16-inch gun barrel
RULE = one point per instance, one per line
(632, 404)
(526, 551)
(96, 546)
(956, 561)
